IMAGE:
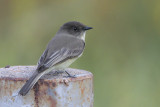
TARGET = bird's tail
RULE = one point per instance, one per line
(30, 83)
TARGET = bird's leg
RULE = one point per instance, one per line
(69, 75)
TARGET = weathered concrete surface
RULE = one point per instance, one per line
(52, 90)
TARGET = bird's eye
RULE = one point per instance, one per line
(75, 29)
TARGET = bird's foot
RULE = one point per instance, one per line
(59, 72)
(69, 75)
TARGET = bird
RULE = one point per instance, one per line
(64, 48)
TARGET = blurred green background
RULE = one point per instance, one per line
(122, 51)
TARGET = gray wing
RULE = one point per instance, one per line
(58, 53)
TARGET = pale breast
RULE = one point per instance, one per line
(65, 64)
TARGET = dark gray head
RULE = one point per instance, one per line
(74, 28)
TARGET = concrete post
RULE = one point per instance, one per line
(50, 91)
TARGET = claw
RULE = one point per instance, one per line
(70, 76)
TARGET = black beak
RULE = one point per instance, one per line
(87, 28)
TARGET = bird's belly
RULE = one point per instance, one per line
(64, 64)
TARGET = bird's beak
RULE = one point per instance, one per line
(87, 28)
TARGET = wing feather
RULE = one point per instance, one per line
(51, 58)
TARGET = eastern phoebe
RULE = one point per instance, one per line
(66, 46)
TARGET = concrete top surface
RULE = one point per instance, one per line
(20, 73)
